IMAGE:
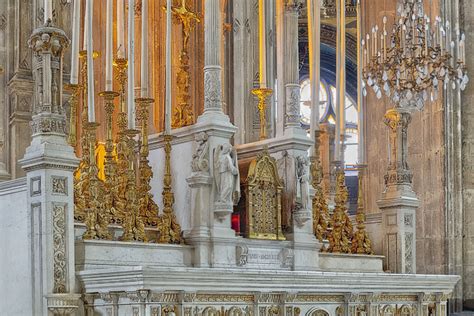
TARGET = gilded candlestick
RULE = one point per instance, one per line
(319, 202)
(112, 201)
(148, 208)
(262, 94)
(170, 230)
(97, 219)
(342, 230)
(133, 225)
(83, 57)
(73, 102)
(361, 243)
(121, 75)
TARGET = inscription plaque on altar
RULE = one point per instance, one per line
(264, 258)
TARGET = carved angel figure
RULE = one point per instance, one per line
(303, 182)
(200, 161)
(226, 174)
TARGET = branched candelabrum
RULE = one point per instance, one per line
(409, 68)
(415, 59)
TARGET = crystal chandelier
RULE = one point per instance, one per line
(417, 59)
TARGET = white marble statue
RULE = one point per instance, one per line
(303, 182)
(226, 174)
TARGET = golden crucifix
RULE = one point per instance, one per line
(187, 18)
(183, 113)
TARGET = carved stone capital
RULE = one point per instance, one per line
(48, 124)
(48, 39)
(63, 304)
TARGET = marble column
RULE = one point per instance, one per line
(211, 233)
(4, 174)
(280, 66)
(49, 163)
(399, 202)
(212, 57)
(460, 133)
(292, 86)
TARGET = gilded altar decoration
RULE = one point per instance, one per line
(133, 225)
(169, 228)
(341, 233)
(148, 208)
(110, 170)
(96, 218)
(263, 188)
(262, 94)
(361, 243)
(183, 113)
(319, 202)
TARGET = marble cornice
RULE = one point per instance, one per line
(220, 280)
(20, 85)
(12, 186)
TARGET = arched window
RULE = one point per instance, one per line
(327, 113)
(305, 102)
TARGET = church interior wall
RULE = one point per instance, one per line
(466, 223)
(15, 260)
(426, 157)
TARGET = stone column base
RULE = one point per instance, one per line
(399, 227)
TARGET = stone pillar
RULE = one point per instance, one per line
(49, 163)
(4, 174)
(211, 232)
(399, 202)
(280, 66)
(292, 86)
(441, 302)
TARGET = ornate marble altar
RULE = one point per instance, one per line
(66, 268)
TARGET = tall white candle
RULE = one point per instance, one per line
(144, 51)
(314, 36)
(262, 44)
(341, 78)
(168, 69)
(86, 27)
(76, 25)
(108, 48)
(131, 66)
(48, 10)
(120, 29)
(360, 65)
(90, 63)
